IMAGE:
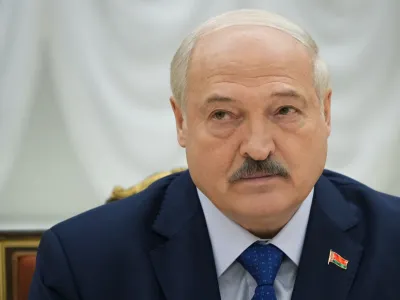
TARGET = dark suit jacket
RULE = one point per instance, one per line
(155, 246)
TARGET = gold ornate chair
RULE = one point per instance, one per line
(120, 192)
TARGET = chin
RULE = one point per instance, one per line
(268, 204)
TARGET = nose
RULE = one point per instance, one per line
(258, 142)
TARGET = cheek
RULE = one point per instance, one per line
(305, 154)
(210, 162)
(211, 152)
(299, 147)
(212, 138)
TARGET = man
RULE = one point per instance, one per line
(256, 216)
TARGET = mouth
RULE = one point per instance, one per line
(258, 176)
(256, 181)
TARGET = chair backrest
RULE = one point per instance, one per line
(17, 263)
(120, 192)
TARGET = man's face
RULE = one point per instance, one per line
(250, 97)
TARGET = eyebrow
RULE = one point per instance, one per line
(289, 93)
(215, 98)
(286, 93)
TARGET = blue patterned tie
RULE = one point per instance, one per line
(262, 262)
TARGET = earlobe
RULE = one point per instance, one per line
(179, 121)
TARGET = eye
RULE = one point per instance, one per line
(286, 110)
(220, 115)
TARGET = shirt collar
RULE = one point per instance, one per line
(229, 239)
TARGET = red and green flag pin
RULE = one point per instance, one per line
(337, 260)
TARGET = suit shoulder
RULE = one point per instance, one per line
(131, 216)
(366, 198)
(342, 182)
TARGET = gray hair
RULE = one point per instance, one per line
(181, 60)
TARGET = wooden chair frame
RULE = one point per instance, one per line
(12, 246)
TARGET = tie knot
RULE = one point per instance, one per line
(262, 261)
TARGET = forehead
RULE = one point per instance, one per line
(251, 56)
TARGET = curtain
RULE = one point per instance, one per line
(109, 75)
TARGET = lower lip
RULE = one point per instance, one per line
(258, 180)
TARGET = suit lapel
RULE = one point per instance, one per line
(332, 226)
(184, 261)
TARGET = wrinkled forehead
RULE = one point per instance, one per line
(249, 52)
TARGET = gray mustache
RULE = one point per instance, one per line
(267, 167)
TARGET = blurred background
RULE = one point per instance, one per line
(84, 89)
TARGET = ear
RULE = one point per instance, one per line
(327, 109)
(181, 128)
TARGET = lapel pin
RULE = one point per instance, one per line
(337, 260)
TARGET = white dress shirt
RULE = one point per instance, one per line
(229, 240)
